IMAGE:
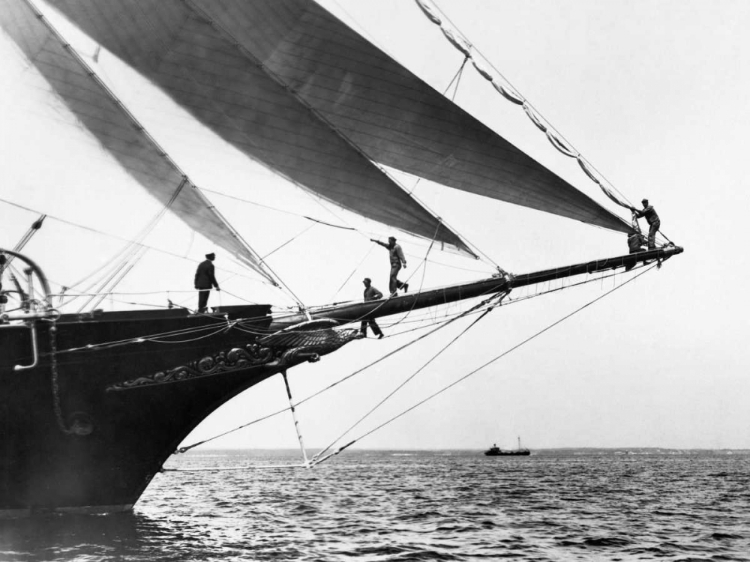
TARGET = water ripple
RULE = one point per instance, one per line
(385, 506)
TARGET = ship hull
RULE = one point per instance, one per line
(112, 395)
(507, 453)
(88, 427)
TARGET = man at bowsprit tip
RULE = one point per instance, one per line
(397, 258)
(204, 280)
(371, 294)
(652, 219)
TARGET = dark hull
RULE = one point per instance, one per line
(119, 438)
(501, 453)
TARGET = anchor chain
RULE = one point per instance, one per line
(55, 384)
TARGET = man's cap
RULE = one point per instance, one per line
(367, 279)
(391, 238)
(211, 256)
(644, 200)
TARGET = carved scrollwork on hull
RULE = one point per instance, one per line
(279, 351)
(236, 359)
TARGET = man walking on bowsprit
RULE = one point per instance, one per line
(371, 294)
(397, 258)
(204, 280)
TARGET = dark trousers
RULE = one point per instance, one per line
(373, 325)
(393, 282)
(652, 230)
(203, 299)
(630, 263)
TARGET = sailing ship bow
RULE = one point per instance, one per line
(107, 397)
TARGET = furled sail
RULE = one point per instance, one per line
(98, 110)
(284, 70)
(224, 87)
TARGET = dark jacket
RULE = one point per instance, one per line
(204, 276)
(649, 213)
(396, 255)
(372, 294)
(635, 242)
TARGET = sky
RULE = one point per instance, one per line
(652, 93)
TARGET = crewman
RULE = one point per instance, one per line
(397, 258)
(204, 280)
(636, 240)
(652, 219)
(371, 294)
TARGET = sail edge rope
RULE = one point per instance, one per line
(503, 86)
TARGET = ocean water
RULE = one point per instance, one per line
(421, 505)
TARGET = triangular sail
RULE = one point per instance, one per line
(203, 71)
(351, 87)
(98, 110)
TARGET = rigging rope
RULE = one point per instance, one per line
(404, 383)
(357, 230)
(423, 266)
(113, 236)
(292, 239)
(493, 360)
(457, 79)
(458, 40)
(227, 468)
(329, 387)
(369, 251)
(441, 324)
(133, 252)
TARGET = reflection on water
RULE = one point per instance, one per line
(69, 537)
(442, 505)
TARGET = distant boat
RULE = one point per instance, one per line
(496, 451)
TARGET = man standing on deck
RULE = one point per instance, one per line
(652, 219)
(371, 294)
(204, 280)
(397, 258)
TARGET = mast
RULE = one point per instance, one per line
(346, 313)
